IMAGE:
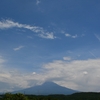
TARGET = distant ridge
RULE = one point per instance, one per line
(47, 88)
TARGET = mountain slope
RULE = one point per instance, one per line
(46, 89)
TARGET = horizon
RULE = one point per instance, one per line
(43, 40)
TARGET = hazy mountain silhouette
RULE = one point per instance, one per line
(46, 89)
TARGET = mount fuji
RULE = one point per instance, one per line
(47, 88)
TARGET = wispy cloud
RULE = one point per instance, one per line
(68, 35)
(47, 35)
(6, 24)
(67, 58)
(72, 36)
(97, 36)
(18, 48)
(37, 2)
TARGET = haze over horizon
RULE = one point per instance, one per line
(45, 40)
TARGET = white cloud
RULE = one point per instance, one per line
(68, 35)
(85, 72)
(67, 58)
(47, 35)
(72, 36)
(83, 75)
(9, 24)
(6, 24)
(18, 48)
(34, 73)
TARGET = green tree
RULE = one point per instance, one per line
(18, 96)
(8, 96)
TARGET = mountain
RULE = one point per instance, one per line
(47, 88)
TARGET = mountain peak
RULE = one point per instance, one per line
(49, 83)
(47, 88)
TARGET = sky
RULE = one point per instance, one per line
(50, 40)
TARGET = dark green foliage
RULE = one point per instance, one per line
(75, 96)
(18, 96)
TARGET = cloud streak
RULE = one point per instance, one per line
(6, 24)
(98, 37)
(18, 48)
(72, 36)
(93, 54)
(47, 35)
(67, 58)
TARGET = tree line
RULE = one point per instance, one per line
(75, 96)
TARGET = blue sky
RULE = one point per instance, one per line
(45, 40)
